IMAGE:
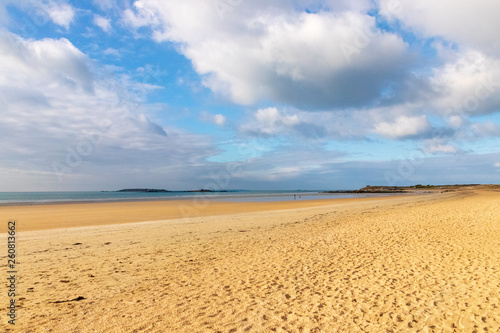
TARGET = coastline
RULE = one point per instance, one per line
(204, 196)
(171, 195)
(79, 214)
(143, 195)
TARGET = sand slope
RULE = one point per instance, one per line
(416, 264)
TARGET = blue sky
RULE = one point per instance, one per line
(222, 94)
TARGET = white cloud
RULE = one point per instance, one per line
(113, 52)
(469, 23)
(219, 119)
(52, 62)
(216, 119)
(435, 147)
(272, 51)
(102, 22)
(333, 58)
(60, 13)
(404, 127)
(486, 129)
(342, 125)
(456, 121)
(467, 86)
(269, 122)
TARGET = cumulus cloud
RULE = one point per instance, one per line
(469, 85)
(339, 125)
(272, 51)
(102, 22)
(333, 59)
(269, 122)
(60, 13)
(435, 147)
(404, 127)
(274, 122)
(331, 56)
(456, 121)
(48, 60)
(216, 119)
(472, 24)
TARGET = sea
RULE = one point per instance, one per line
(27, 198)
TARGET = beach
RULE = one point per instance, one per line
(419, 263)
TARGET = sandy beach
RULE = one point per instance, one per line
(421, 263)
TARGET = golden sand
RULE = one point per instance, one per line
(41, 217)
(407, 264)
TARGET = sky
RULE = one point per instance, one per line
(238, 94)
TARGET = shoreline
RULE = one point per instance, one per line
(210, 197)
(203, 195)
(68, 215)
(234, 195)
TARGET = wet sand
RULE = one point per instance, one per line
(414, 263)
(69, 215)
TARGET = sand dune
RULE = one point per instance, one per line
(416, 264)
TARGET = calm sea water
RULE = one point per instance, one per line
(88, 196)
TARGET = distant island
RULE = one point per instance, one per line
(142, 190)
(153, 190)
